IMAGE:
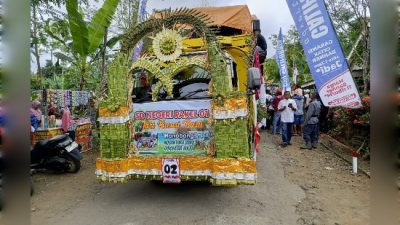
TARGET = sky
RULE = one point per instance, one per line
(273, 14)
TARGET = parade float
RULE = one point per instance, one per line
(183, 111)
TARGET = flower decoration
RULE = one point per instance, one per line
(219, 100)
(167, 45)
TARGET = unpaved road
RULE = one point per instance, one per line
(294, 187)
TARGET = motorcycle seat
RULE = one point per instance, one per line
(54, 140)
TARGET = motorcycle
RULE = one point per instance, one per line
(59, 154)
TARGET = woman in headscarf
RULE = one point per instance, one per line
(67, 123)
(35, 111)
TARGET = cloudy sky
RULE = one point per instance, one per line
(273, 14)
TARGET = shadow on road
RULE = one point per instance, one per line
(143, 192)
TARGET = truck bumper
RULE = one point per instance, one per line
(219, 172)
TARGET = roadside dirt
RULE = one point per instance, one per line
(294, 187)
(333, 194)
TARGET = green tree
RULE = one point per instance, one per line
(271, 71)
(126, 17)
(127, 14)
(41, 13)
(295, 56)
(351, 20)
(86, 38)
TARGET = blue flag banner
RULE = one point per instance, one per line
(324, 54)
(138, 47)
(281, 61)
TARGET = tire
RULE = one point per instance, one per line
(73, 165)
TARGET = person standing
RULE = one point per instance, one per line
(35, 111)
(68, 124)
(261, 47)
(307, 98)
(262, 44)
(276, 126)
(311, 123)
(323, 118)
(263, 102)
(287, 107)
(299, 114)
(52, 110)
(269, 108)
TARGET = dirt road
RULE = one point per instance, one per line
(294, 187)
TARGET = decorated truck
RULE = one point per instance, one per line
(185, 110)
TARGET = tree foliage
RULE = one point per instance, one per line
(351, 21)
(127, 14)
(294, 57)
(88, 38)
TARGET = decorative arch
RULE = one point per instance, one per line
(167, 19)
(199, 21)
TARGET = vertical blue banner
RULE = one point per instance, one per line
(324, 54)
(142, 13)
(281, 61)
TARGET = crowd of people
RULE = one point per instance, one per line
(294, 113)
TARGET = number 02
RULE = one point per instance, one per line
(167, 169)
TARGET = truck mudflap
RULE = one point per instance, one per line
(219, 172)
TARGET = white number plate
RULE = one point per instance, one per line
(170, 171)
(71, 147)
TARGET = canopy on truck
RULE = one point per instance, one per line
(231, 20)
(237, 17)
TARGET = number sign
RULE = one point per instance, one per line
(170, 171)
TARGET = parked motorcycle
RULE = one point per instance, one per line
(59, 154)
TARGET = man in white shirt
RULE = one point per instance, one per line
(287, 107)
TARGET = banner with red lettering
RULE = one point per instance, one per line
(173, 127)
(83, 137)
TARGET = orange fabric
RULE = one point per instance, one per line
(186, 163)
(231, 104)
(237, 16)
(122, 111)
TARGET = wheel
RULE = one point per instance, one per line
(73, 165)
